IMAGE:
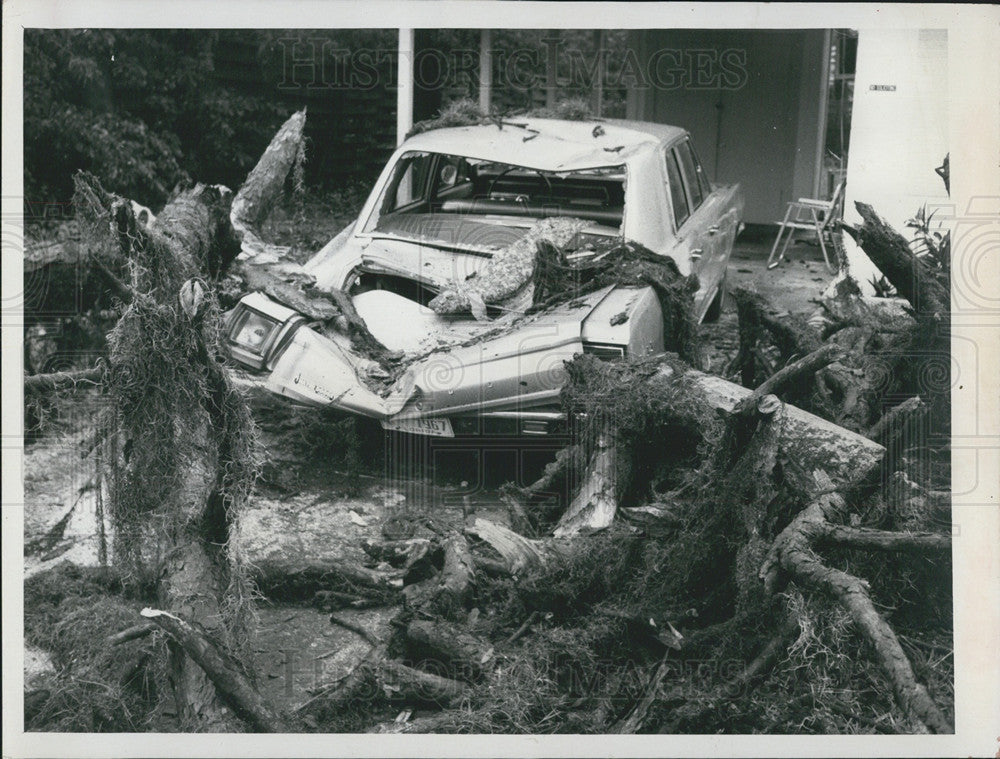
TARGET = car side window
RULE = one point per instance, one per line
(677, 197)
(689, 171)
(706, 186)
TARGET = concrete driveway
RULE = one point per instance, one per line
(790, 288)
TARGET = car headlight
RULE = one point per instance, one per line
(258, 329)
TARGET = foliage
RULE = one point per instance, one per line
(466, 112)
(932, 246)
(69, 611)
(627, 264)
(146, 109)
(142, 108)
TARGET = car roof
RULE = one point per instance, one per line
(549, 144)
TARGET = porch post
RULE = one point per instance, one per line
(404, 89)
(485, 70)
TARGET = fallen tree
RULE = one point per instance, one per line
(179, 451)
(753, 458)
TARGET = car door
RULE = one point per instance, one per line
(693, 228)
(719, 214)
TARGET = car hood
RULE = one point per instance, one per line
(456, 366)
(333, 267)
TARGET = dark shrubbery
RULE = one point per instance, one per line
(142, 109)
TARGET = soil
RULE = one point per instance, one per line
(297, 651)
(790, 288)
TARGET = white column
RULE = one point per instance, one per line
(485, 70)
(552, 68)
(819, 189)
(404, 85)
(597, 96)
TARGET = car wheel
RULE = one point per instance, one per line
(718, 302)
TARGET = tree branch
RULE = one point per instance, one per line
(39, 383)
(780, 380)
(224, 673)
(885, 540)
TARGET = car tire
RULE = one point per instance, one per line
(718, 302)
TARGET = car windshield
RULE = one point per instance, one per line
(451, 200)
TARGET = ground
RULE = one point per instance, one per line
(323, 505)
(790, 288)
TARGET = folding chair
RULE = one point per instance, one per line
(812, 215)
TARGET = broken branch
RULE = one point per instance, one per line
(224, 673)
(463, 650)
(894, 422)
(885, 540)
(131, 633)
(780, 380)
(47, 383)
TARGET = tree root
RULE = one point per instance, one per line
(792, 553)
(356, 629)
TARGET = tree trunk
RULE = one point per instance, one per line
(174, 483)
(911, 277)
(807, 440)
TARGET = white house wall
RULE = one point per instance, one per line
(899, 125)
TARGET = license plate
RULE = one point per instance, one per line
(434, 427)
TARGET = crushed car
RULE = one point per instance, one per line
(442, 267)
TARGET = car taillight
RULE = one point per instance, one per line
(605, 351)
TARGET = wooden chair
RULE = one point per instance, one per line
(812, 215)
